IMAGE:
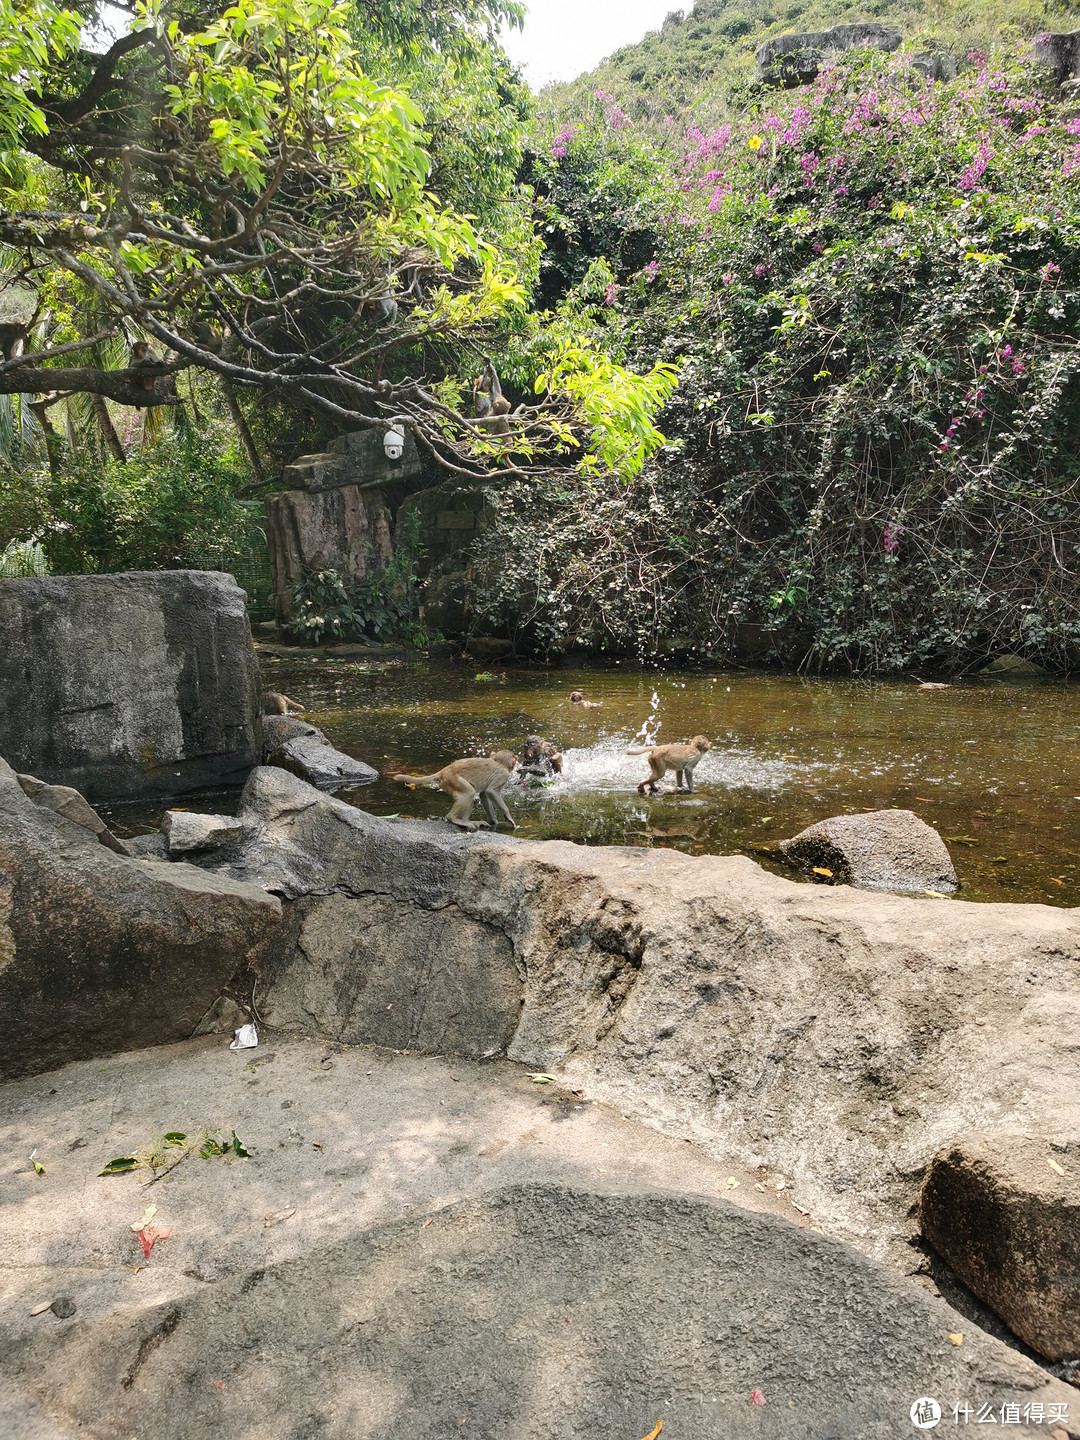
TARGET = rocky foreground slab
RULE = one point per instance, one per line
(431, 1247)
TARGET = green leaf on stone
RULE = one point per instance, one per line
(119, 1166)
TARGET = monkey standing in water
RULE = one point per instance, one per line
(274, 703)
(466, 781)
(680, 758)
(540, 757)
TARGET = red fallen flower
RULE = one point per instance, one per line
(756, 1397)
(149, 1237)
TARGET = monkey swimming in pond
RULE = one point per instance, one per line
(680, 758)
(577, 698)
(475, 778)
(274, 703)
(539, 757)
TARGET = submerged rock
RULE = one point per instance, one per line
(883, 850)
(1004, 1212)
(100, 952)
(1012, 665)
(294, 745)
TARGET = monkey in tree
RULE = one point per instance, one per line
(141, 359)
(680, 758)
(207, 338)
(469, 780)
(12, 336)
(490, 405)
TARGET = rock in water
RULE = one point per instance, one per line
(304, 750)
(1004, 1212)
(128, 685)
(99, 952)
(884, 850)
(187, 833)
(1012, 666)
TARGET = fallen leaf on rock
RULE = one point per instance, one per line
(1055, 1166)
(219, 1384)
(316, 1144)
(655, 1431)
(40, 1309)
(426, 1223)
(820, 870)
(119, 1166)
(1055, 881)
(756, 1397)
(799, 1208)
(136, 1268)
(277, 1217)
(538, 1077)
(954, 1337)
(149, 1238)
(999, 860)
(760, 1187)
(39, 1169)
(732, 1183)
(148, 1215)
(936, 894)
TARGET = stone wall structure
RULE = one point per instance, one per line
(350, 508)
(129, 685)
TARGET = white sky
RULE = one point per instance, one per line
(564, 38)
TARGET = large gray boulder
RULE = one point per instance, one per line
(796, 58)
(128, 685)
(839, 1036)
(1059, 53)
(294, 745)
(99, 952)
(881, 850)
(1004, 1212)
(534, 1311)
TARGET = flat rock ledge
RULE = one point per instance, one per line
(838, 1036)
(419, 1248)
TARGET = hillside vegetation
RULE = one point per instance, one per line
(871, 288)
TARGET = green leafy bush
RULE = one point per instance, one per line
(872, 286)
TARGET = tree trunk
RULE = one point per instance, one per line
(52, 439)
(107, 428)
(246, 437)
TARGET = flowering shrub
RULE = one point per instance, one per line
(873, 286)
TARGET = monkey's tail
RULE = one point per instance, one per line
(646, 751)
(418, 779)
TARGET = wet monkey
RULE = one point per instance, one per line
(680, 758)
(540, 757)
(466, 781)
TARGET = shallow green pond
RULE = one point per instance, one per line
(994, 766)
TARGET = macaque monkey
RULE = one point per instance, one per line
(490, 405)
(12, 336)
(466, 781)
(539, 757)
(274, 703)
(383, 311)
(141, 359)
(577, 698)
(207, 338)
(680, 758)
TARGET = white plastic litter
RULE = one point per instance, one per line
(247, 1037)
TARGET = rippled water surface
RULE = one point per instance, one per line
(994, 766)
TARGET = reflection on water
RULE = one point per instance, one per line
(994, 766)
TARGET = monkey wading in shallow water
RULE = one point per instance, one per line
(539, 757)
(274, 703)
(680, 758)
(466, 781)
